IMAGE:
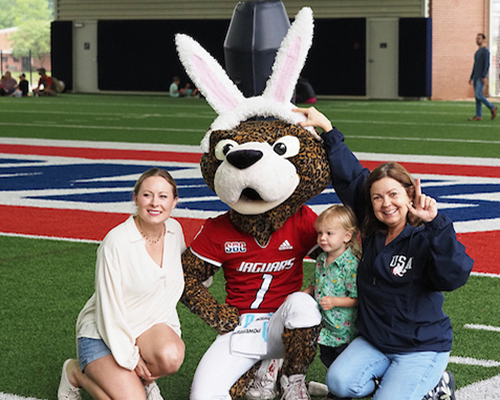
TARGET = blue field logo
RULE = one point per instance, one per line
(97, 185)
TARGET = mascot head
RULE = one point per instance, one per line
(256, 157)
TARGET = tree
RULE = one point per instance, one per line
(32, 35)
(32, 17)
(26, 10)
(14, 13)
(6, 17)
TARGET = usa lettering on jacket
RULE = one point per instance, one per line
(400, 264)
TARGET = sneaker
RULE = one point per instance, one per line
(445, 389)
(494, 112)
(475, 118)
(153, 392)
(66, 390)
(294, 388)
(317, 389)
(264, 386)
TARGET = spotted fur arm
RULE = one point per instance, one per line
(222, 317)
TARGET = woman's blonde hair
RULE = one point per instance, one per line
(156, 172)
(344, 216)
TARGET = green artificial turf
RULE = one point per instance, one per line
(45, 283)
(404, 127)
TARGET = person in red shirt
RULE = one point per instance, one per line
(45, 84)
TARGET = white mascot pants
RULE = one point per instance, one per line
(219, 369)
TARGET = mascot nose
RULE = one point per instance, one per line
(242, 159)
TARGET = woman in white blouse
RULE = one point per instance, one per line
(128, 333)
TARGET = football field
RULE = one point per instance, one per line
(67, 168)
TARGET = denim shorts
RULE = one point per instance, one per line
(90, 350)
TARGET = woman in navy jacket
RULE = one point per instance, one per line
(410, 254)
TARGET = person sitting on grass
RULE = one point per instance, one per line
(176, 91)
(22, 88)
(8, 84)
(45, 84)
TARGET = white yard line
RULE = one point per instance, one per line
(485, 274)
(482, 327)
(88, 144)
(474, 361)
(102, 127)
(488, 389)
(8, 396)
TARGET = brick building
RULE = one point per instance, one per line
(455, 24)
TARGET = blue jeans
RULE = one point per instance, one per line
(402, 376)
(90, 350)
(478, 93)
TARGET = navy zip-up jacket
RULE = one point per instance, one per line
(399, 285)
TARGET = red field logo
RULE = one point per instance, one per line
(55, 191)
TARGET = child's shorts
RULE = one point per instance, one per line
(90, 350)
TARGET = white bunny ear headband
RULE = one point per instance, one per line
(225, 97)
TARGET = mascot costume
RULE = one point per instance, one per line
(264, 167)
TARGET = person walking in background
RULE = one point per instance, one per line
(478, 78)
(334, 281)
(129, 332)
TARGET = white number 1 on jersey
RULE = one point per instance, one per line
(266, 282)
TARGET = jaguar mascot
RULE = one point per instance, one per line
(264, 166)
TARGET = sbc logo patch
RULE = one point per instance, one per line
(235, 247)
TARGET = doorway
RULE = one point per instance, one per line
(85, 57)
(382, 58)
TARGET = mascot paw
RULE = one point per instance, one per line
(228, 317)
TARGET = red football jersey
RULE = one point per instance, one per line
(258, 278)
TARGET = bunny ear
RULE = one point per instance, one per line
(207, 75)
(291, 57)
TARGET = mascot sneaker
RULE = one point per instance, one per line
(264, 386)
(294, 388)
(153, 392)
(66, 390)
(445, 389)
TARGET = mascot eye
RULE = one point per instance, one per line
(223, 148)
(287, 146)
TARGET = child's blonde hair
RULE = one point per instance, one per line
(344, 216)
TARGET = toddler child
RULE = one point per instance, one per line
(334, 282)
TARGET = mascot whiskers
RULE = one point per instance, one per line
(261, 163)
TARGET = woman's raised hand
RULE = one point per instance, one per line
(423, 207)
(314, 118)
